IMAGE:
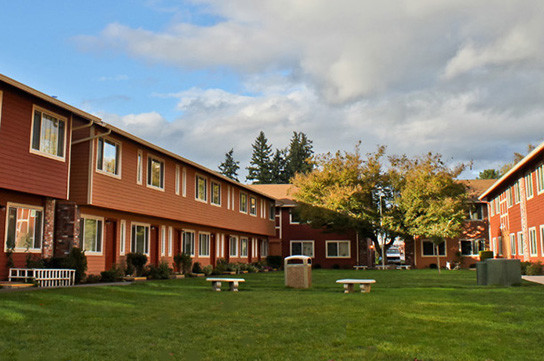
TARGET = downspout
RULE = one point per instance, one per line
(92, 137)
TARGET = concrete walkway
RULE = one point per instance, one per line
(535, 279)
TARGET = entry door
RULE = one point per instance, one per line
(111, 243)
(154, 242)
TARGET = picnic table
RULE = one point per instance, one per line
(349, 283)
(233, 283)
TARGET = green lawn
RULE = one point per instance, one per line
(409, 314)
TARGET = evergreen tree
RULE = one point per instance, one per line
(489, 174)
(277, 167)
(260, 165)
(230, 167)
(298, 158)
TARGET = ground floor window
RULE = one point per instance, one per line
(264, 248)
(520, 243)
(233, 246)
(24, 228)
(471, 247)
(204, 244)
(243, 247)
(513, 244)
(91, 231)
(140, 239)
(429, 248)
(302, 248)
(338, 249)
(532, 242)
(188, 243)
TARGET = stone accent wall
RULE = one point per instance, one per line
(67, 227)
(49, 228)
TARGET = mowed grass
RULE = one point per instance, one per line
(409, 314)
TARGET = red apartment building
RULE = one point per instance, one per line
(69, 179)
(294, 238)
(516, 209)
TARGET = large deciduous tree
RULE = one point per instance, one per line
(230, 167)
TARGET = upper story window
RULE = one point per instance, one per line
(48, 134)
(492, 208)
(476, 212)
(243, 202)
(540, 178)
(155, 172)
(529, 185)
(177, 179)
(509, 197)
(253, 206)
(201, 189)
(139, 167)
(1, 97)
(294, 218)
(216, 194)
(108, 155)
(517, 193)
(24, 228)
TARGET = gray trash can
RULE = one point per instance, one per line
(298, 271)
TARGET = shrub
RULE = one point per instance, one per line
(534, 269)
(243, 266)
(485, 255)
(184, 262)
(114, 274)
(137, 261)
(260, 265)
(92, 279)
(160, 272)
(433, 266)
(77, 260)
(274, 261)
(207, 270)
(336, 266)
(33, 261)
(524, 266)
(197, 268)
(251, 268)
(221, 266)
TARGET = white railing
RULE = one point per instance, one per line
(44, 277)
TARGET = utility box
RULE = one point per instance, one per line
(298, 271)
(481, 273)
(499, 271)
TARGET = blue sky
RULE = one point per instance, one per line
(463, 78)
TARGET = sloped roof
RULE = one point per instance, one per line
(475, 187)
(283, 193)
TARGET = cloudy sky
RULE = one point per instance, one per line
(462, 78)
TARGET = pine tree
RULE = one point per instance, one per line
(278, 165)
(260, 165)
(230, 167)
(300, 151)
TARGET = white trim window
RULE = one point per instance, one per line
(253, 206)
(155, 173)
(108, 157)
(491, 208)
(520, 243)
(163, 241)
(540, 179)
(517, 193)
(122, 237)
(203, 244)
(228, 197)
(533, 248)
(139, 238)
(201, 188)
(338, 249)
(91, 230)
(188, 243)
(216, 193)
(139, 167)
(170, 240)
(476, 212)
(529, 185)
(184, 182)
(497, 205)
(510, 197)
(264, 247)
(512, 244)
(233, 246)
(243, 247)
(177, 179)
(499, 251)
(428, 249)
(293, 217)
(542, 240)
(24, 228)
(472, 247)
(243, 202)
(48, 134)
(302, 248)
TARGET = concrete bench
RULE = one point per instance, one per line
(404, 266)
(233, 283)
(360, 267)
(349, 283)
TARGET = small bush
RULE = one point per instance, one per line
(433, 266)
(137, 261)
(92, 279)
(252, 269)
(274, 261)
(524, 266)
(184, 262)
(160, 272)
(197, 268)
(221, 266)
(534, 269)
(336, 266)
(115, 274)
(77, 260)
(34, 261)
(207, 270)
(485, 255)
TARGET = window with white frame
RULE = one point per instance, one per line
(139, 167)
(177, 179)
(253, 206)
(188, 242)
(91, 231)
(338, 249)
(540, 178)
(264, 247)
(108, 155)
(201, 189)
(48, 133)
(492, 208)
(24, 228)
(140, 238)
(429, 248)
(216, 193)
(510, 197)
(476, 212)
(204, 244)
(499, 251)
(302, 248)
(533, 251)
(170, 240)
(123, 237)
(517, 193)
(542, 240)
(163, 240)
(293, 216)
(184, 182)
(243, 247)
(471, 247)
(520, 243)
(233, 246)
(529, 185)
(243, 202)
(497, 205)
(513, 244)
(155, 172)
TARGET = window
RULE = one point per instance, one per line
(499, 251)
(253, 206)
(48, 134)
(155, 173)
(293, 216)
(107, 156)
(338, 249)
(188, 243)
(139, 168)
(216, 194)
(243, 247)
(140, 239)
(509, 196)
(163, 240)
(204, 244)
(540, 178)
(90, 231)
(542, 240)
(123, 237)
(228, 197)
(429, 248)
(184, 182)
(533, 251)
(497, 205)
(24, 228)
(233, 246)
(529, 185)
(272, 211)
(170, 237)
(476, 212)
(471, 247)
(201, 189)
(520, 243)
(513, 244)
(243, 202)
(492, 208)
(517, 193)
(302, 248)
(264, 248)
(177, 180)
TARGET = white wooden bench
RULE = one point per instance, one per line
(349, 283)
(233, 283)
(360, 267)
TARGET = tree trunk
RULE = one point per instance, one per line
(437, 257)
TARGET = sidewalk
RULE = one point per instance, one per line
(535, 279)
